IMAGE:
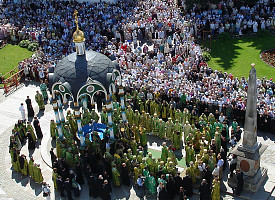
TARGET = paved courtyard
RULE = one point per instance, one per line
(15, 186)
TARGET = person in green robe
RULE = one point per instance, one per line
(215, 193)
(115, 176)
(172, 155)
(129, 155)
(130, 115)
(164, 152)
(53, 129)
(136, 173)
(161, 129)
(54, 178)
(24, 171)
(135, 132)
(136, 119)
(30, 167)
(234, 125)
(146, 174)
(140, 156)
(196, 140)
(169, 128)
(190, 154)
(134, 146)
(63, 151)
(103, 116)
(164, 110)
(162, 180)
(191, 171)
(178, 116)
(37, 175)
(86, 117)
(171, 112)
(176, 140)
(148, 123)
(69, 158)
(31, 130)
(149, 162)
(155, 124)
(40, 100)
(218, 142)
(212, 161)
(211, 119)
(43, 89)
(73, 125)
(187, 129)
(171, 168)
(15, 159)
(152, 185)
(94, 116)
(143, 136)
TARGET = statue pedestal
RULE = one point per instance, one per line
(248, 160)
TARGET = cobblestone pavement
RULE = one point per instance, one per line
(15, 186)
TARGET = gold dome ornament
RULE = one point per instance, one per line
(78, 35)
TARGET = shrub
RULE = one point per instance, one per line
(33, 46)
(224, 36)
(1, 75)
(206, 56)
(263, 33)
(24, 43)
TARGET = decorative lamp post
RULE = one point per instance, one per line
(59, 128)
(79, 126)
(109, 105)
(122, 104)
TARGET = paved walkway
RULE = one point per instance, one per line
(15, 186)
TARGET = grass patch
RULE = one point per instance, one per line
(157, 154)
(236, 55)
(10, 56)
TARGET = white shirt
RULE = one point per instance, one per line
(21, 108)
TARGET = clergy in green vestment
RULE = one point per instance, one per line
(43, 89)
(152, 185)
(169, 128)
(37, 173)
(164, 152)
(215, 194)
(161, 129)
(39, 100)
(115, 176)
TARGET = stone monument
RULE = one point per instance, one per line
(249, 150)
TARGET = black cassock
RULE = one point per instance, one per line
(37, 129)
(21, 162)
(29, 108)
(187, 185)
(125, 177)
(31, 142)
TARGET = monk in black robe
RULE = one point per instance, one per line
(37, 128)
(31, 142)
(29, 107)
(125, 175)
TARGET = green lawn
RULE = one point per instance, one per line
(236, 55)
(10, 56)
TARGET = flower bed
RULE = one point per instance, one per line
(268, 56)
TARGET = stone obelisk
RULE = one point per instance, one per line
(249, 151)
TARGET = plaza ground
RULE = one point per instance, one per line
(236, 55)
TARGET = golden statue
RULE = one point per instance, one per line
(78, 35)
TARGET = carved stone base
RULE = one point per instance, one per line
(250, 183)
